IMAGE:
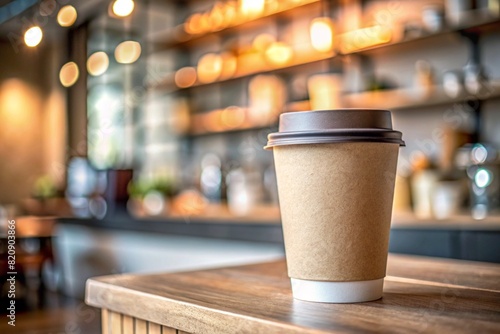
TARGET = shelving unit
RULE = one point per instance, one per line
(478, 23)
(392, 99)
(396, 99)
(233, 91)
(402, 99)
(178, 37)
(169, 84)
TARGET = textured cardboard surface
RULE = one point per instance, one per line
(336, 202)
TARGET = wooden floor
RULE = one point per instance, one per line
(57, 314)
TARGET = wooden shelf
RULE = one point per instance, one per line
(394, 99)
(232, 130)
(289, 107)
(475, 22)
(400, 99)
(176, 36)
(169, 85)
(486, 23)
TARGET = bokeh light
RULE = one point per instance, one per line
(33, 36)
(209, 67)
(69, 74)
(321, 32)
(123, 8)
(483, 178)
(127, 52)
(252, 7)
(97, 63)
(279, 53)
(67, 16)
(185, 77)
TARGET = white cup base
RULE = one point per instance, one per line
(337, 292)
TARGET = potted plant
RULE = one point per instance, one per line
(46, 199)
(150, 197)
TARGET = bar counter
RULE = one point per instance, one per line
(458, 237)
(420, 295)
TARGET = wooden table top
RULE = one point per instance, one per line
(420, 295)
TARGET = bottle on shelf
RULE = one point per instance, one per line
(245, 189)
(211, 177)
(482, 165)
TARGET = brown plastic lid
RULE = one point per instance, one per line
(335, 126)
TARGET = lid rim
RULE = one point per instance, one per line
(335, 126)
(335, 140)
(335, 131)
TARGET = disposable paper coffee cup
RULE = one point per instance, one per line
(336, 172)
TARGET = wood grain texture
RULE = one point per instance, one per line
(470, 274)
(104, 321)
(257, 299)
(115, 322)
(154, 328)
(168, 330)
(141, 326)
(128, 324)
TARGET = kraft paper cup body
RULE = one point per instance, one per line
(336, 203)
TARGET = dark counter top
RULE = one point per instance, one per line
(458, 238)
(245, 230)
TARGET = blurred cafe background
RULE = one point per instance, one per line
(132, 132)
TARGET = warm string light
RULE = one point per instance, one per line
(279, 53)
(216, 17)
(127, 52)
(324, 91)
(123, 8)
(321, 32)
(33, 36)
(263, 41)
(267, 96)
(252, 8)
(67, 16)
(229, 65)
(192, 25)
(185, 77)
(227, 13)
(97, 63)
(69, 73)
(209, 67)
(232, 117)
